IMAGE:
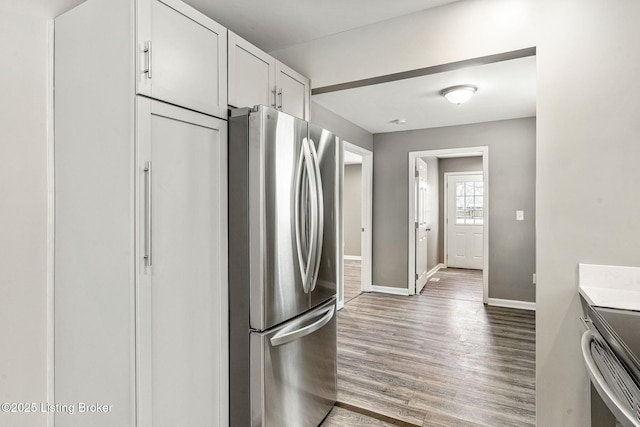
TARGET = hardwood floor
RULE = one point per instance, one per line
(438, 359)
(352, 279)
(455, 283)
(348, 416)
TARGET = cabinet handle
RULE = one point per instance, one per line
(147, 50)
(148, 216)
(280, 96)
(273, 91)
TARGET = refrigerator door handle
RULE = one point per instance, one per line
(297, 220)
(319, 215)
(306, 255)
(287, 334)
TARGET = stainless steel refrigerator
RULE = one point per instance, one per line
(282, 269)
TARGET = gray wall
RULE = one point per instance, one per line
(346, 130)
(352, 205)
(458, 164)
(587, 180)
(512, 187)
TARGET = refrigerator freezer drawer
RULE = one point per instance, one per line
(293, 371)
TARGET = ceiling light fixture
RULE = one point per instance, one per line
(459, 94)
(400, 121)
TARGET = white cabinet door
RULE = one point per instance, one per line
(251, 74)
(182, 338)
(292, 91)
(182, 56)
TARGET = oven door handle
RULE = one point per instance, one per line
(621, 412)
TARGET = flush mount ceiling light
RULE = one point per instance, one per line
(400, 121)
(459, 94)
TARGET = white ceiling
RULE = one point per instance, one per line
(506, 90)
(275, 24)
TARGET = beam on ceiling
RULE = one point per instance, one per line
(484, 60)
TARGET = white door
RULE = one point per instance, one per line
(421, 223)
(251, 75)
(182, 287)
(465, 219)
(182, 56)
(292, 92)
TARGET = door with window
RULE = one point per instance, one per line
(465, 220)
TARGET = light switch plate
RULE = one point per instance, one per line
(519, 215)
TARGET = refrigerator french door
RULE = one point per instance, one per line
(282, 269)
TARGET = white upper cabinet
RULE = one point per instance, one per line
(251, 74)
(292, 91)
(182, 56)
(257, 78)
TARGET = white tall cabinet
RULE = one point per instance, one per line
(140, 216)
(255, 77)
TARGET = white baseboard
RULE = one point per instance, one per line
(353, 257)
(430, 273)
(508, 303)
(434, 270)
(390, 290)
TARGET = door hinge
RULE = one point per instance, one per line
(417, 277)
(417, 174)
(417, 224)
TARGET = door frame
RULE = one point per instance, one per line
(446, 212)
(366, 241)
(447, 153)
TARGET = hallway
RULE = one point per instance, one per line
(440, 358)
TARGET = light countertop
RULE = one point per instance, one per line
(610, 286)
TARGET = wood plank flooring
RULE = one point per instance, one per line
(438, 359)
(352, 279)
(455, 283)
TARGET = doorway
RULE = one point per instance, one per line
(477, 242)
(356, 221)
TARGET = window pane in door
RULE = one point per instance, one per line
(470, 202)
(468, 188)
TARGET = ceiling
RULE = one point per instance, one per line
(275, 24)
(506, 90)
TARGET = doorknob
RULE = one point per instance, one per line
(427, 229)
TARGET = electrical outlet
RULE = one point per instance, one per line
(534, 278)
(519, 215)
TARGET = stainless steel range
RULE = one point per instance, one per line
(611, 350)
